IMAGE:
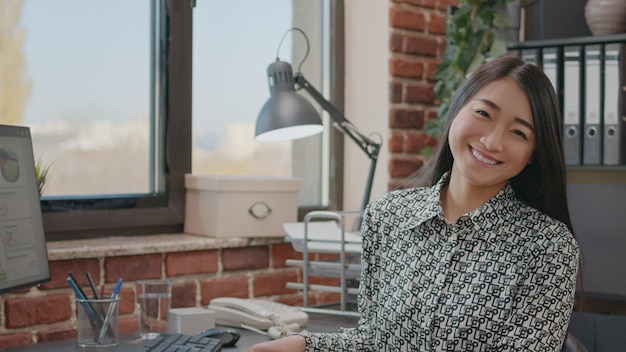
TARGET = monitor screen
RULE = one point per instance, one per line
(23, 253)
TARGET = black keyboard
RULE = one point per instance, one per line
(181, 343)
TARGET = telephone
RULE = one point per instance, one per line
(257, 313)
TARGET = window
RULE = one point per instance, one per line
(106, 88)
(97, 97)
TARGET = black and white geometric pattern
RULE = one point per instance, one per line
(502, 278)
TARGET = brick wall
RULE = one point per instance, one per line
(48, 312)
(416, 43)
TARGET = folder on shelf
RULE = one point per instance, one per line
(572, 77)
(550, 65)
(613, 116)
(592, 134)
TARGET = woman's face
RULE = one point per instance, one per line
(492, 138)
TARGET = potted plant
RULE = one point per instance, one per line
(476, 32)
(41, 172)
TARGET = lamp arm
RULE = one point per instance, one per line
(370, 147)
(367, 145)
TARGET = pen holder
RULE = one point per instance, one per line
(98, 322)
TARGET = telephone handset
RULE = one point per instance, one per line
(257, 313)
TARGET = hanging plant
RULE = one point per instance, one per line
(471, 39)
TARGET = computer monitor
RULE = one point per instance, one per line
(23, 252)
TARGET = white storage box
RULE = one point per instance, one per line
(240, 206)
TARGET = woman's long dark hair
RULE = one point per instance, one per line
(542, 183)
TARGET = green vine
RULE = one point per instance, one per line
(471, 40)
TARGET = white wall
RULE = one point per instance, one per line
(366, 94)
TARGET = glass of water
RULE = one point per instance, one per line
(153, 306)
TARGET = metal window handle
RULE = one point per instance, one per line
(260, 210)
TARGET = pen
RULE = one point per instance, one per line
(78, 288)
(118, 287)
(115, 295)
(91, 284)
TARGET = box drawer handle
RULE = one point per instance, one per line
(260, 210)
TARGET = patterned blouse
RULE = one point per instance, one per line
(501, 278)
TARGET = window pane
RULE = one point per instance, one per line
(86, 79)
(234, 42)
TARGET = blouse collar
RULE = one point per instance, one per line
(491, 213)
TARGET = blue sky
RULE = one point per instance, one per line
(88, 59)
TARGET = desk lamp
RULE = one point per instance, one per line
(287, 115)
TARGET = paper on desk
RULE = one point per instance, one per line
(323, 236)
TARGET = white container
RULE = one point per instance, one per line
(191, 320)
(240, 206)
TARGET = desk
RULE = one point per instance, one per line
(131, 341)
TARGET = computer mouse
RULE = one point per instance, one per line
(228, 336)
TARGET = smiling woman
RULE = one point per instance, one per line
(466, 263)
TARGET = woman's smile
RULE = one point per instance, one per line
(483, 158)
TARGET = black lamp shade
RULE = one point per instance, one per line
(286, 115)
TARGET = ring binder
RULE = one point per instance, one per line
(613, 137)
(592, 136)
(572, 142)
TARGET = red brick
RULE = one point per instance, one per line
(443, 4)
(133, 268)
(329, 281)
(413, 2)
(328, 297)
(420, 46)
(187, 263)
(52, 309)
(128, 324)
(184, 294)
(247, 258)
(293, 300)
(57, 334)
(59, 271)
(430, 66)
(406, 68)
(406, 19)
(14, 340)
(437, 24)
(415, 142)
(395, 92)
(429, 3)
(396, 142)
(282, 252)
(224, 287)
(273, 283)
(396, 43)
(421, 93)
(19, 313)
(327, 256)
(406, 119)
(127, 301)
(404, 167)
(42, 310)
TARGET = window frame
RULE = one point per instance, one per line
(146, 217)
